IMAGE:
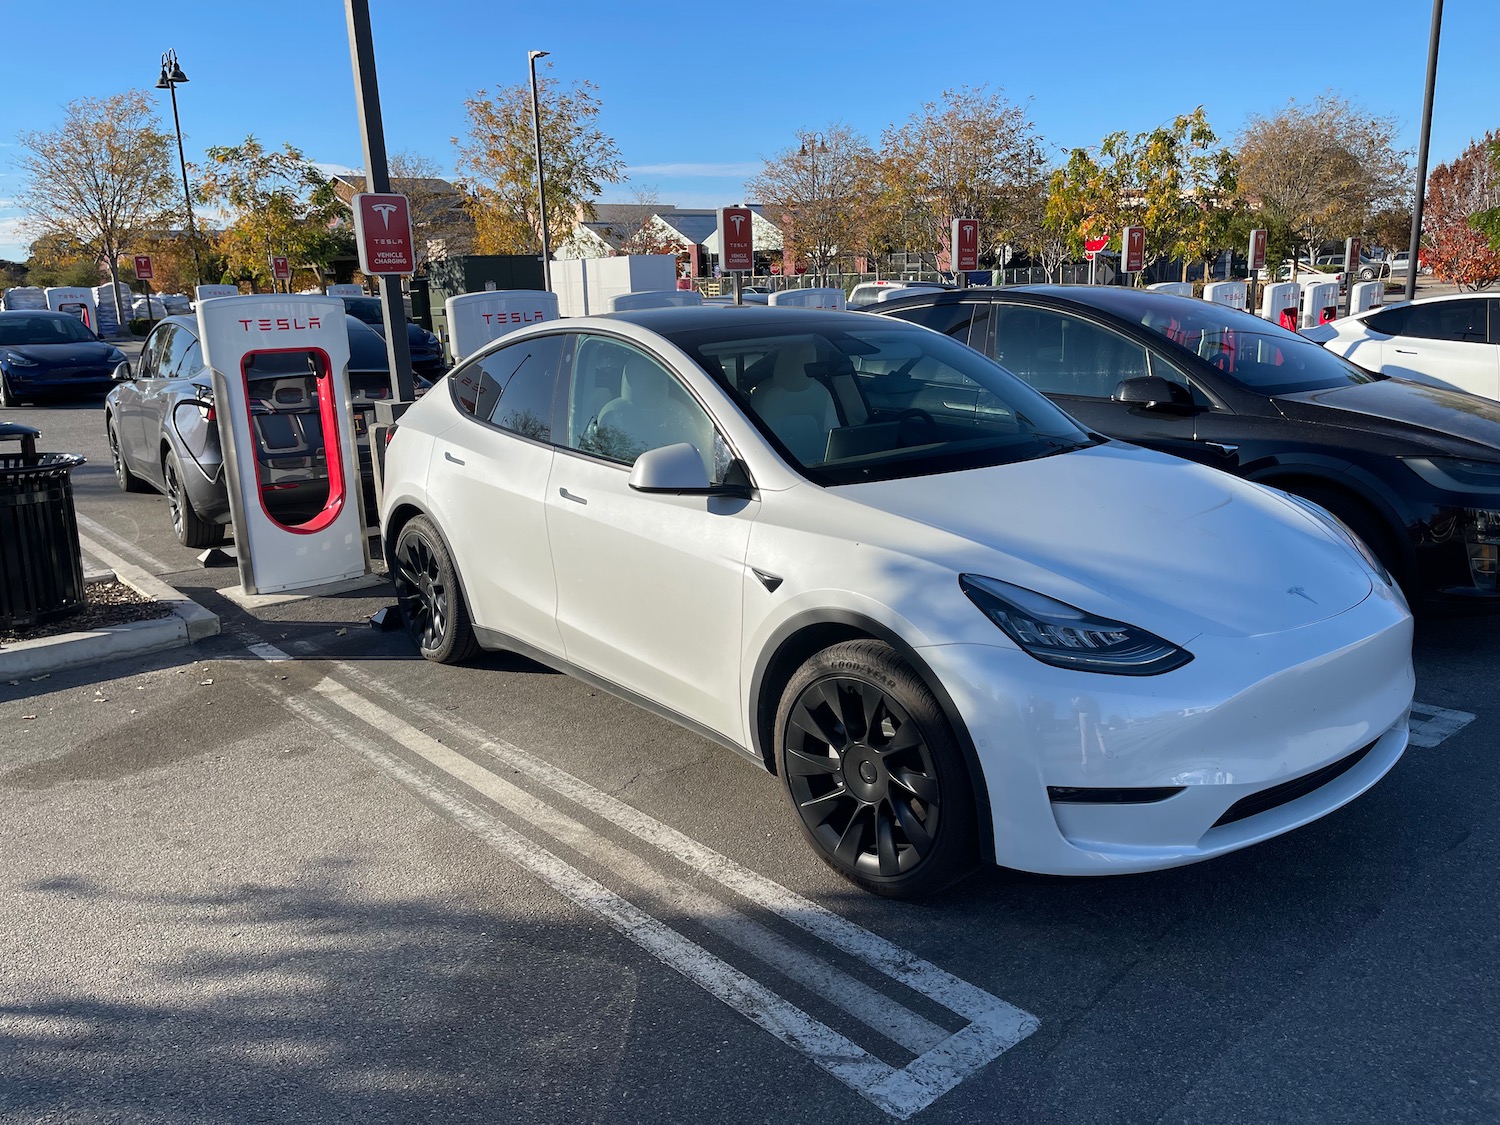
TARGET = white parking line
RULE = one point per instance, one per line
(945, 1059)
(1431, 725)
(98, 531)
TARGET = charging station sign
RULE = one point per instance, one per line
(382, 230)
(1257, 250)
(281, 268)
(1133, 249)
(144, 270)
(965, 244)
(280, 371)
(736, 239)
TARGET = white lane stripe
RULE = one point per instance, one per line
(98, 531)
(1432, 725)
(868, 1076)
(951, 992)
(876, 1011)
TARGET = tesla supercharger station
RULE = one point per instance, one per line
(474, 319)
(209, 292)
(810, 298)
(1320, 302)
(77, 302)
(346, 289)
(655, 299)
(1366, 295)
(294, 349)
(1281, 303)
(1176, 288)
(1231, 293)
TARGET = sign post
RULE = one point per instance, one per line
(1133, 250)
(145, 273)
(965, 244)
(1351, 267)
(1257, 263)
(737, 246)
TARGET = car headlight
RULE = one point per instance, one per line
(1343, 532)
(1066, 637)
(17, 359)
(1453, 474)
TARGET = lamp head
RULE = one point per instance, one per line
(532, 56)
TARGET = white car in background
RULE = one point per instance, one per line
(1452, 341)
(869, 559)
(868, 293)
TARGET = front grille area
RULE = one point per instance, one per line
(1288, 791)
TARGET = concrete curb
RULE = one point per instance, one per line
(189, 622)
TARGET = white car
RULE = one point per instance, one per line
(956, 623)
(1451, 341)
(868, 293)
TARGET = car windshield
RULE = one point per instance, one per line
(16, 331)
(1250, 351)
(366, 309)
(848, 401)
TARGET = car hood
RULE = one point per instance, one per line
(1436, 418)
(79, 354)
(1151, 540)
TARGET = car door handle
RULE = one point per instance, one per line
(1406, 351)
(449, 457)
(566, 495)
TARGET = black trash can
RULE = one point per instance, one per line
(41, 568)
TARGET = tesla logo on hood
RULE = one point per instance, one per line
(1301, 593)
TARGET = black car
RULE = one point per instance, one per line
(427, 358)
(52, 355)
(163, 431)
(1413, 469)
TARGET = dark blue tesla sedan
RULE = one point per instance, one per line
(52, 355)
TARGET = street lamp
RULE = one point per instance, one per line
(1415, 248)
(813, 146)
(541, 188)
(171, 75)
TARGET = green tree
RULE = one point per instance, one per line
(1321, 172)
(1487, 220)
(280, 205)
(824, 183)
(1460, 195)
(100, 179)
(497, 163)
(971, 155)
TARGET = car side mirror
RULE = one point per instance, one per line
(123, 373)
(677, 469)
(1152, 392)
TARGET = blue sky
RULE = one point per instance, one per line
(697, 95)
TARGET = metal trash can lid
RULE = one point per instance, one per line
(22, 464)
(14, 431)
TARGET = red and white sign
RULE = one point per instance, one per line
(281, 269)
(1133, 249)
(1351, 255)
(144, 270)
(965, 244)
(1092, 246)
(736, 239)
(1257, 250)
(382, 230)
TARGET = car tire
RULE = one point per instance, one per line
(1367, 275)
(191, 529)
(874, 772)
(7, 396)
(431, 595)
(125, 480)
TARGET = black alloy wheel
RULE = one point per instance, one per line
(189, 527)
(427, 590)
(125, 480)
(874, 771)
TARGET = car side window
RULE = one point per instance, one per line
(621, 402)
(949, 318)
(178, 346)
(1389, 322)
(192, 361)
(1463, 322)
(154, 350)
(514, 387)
(1061, 354)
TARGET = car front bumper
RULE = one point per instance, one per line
(1216, 748)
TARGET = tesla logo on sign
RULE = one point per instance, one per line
(965, 244)
(382, 230)
(282, 323)
(281, 269)
(1257, 250)
(736, 239)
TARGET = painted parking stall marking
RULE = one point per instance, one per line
(460, 782)
(1432, 725)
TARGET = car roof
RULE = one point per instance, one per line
(759, 318)
(35, 312)
(1431, 298)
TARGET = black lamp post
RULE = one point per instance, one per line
(541, 188)
(813, 146)
(171, 75)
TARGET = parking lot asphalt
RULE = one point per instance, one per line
(293, 872)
